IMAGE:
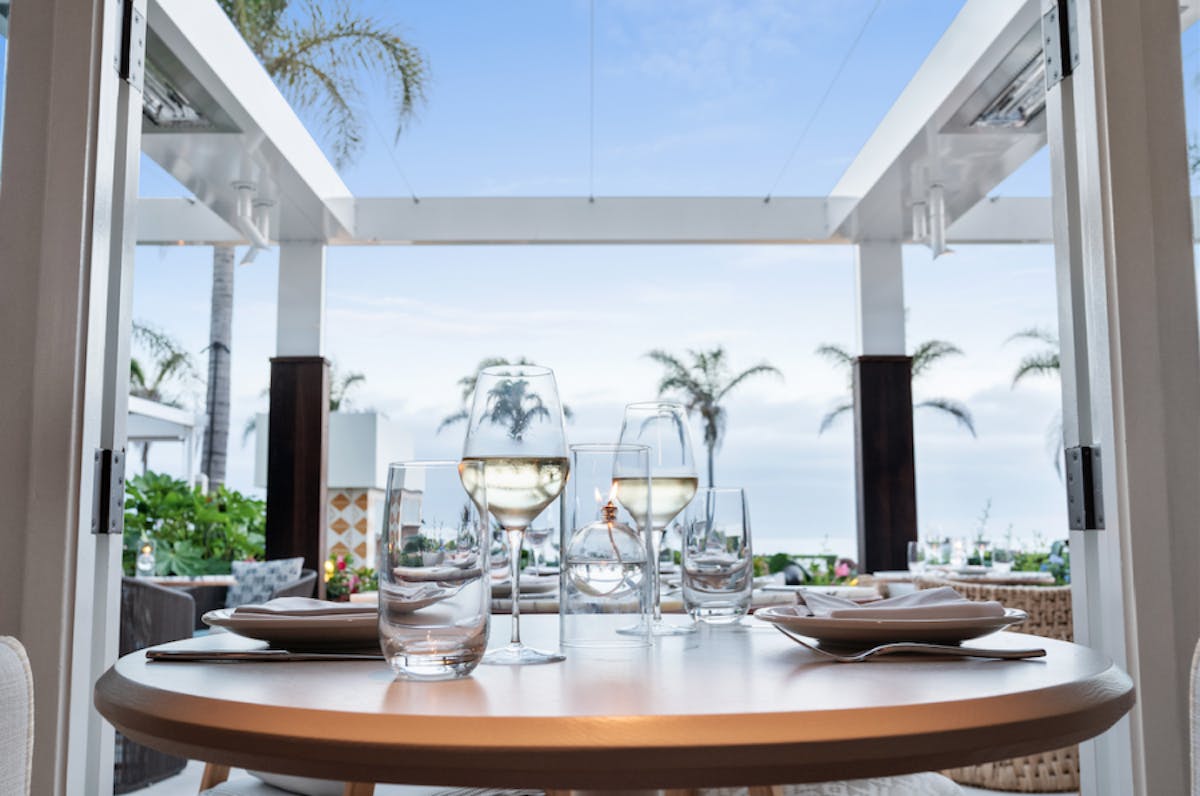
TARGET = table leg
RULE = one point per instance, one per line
(359, 789)
(214, 774)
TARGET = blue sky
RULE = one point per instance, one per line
(693, 97)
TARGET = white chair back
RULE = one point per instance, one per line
(16, 719)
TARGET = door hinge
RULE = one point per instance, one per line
(1085, 493)
(131, 52)
(108, 496)
(1060, 41)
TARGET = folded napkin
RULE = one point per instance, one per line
(436, 574)
(303, 606)
(940, 603)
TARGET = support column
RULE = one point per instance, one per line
(1131, 374)
(298, 437)
(885, 475)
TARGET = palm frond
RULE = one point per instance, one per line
(450, 420)
(835, 354)
(758, 370)
(137, 376)
(1043, 363)
(958, 411)
(321, 59)
(831, 417)
(310, 86)
(1036, 333)
(929, 352)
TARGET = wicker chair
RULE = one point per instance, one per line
(1049, 609)
(150, 615)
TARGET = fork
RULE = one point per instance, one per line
(912, 647)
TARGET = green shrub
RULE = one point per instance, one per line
(195, 533)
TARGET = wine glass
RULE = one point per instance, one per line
(673, 481)
(516, 430)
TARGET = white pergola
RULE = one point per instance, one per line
(1119, 219)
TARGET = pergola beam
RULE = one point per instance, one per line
(716, 220)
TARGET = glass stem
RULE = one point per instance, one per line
(656, 539)
(515, 538)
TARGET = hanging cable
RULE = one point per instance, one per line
(821, 102)
(392, 156)
(591, 100)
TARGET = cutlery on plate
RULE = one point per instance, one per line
(260, 656)
(914, 647)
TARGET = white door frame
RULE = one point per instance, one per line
(1131, 374)
(70, 157)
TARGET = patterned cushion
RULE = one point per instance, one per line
(927, 784)
(257, 580)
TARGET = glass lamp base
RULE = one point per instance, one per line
(520, 655)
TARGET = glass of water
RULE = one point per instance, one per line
(1003, 559)
(718, 560)
(916, 558)
(434, 588)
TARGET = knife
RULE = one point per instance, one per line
(260, 656)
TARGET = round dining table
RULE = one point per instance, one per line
(721, 707)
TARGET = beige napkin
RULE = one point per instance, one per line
(940, 603)
(303, 606)
(436, 574)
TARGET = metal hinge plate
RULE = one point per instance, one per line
(1060, 41)
(1085, 494)
(108, 496)
(131, 54)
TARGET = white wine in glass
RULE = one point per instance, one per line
(516, 430)
(671, 496)
(673, 481)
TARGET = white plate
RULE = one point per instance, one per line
(530, 585)
(307, 632)
(884, 631)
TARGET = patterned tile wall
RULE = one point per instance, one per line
(354, 517)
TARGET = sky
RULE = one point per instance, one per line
(692, 98)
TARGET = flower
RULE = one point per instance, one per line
(328, 570)
(842, 570)
(341, 563)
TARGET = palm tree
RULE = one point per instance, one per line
(169, 363)
(510, 404)
(702, 385)
(1043, 362)
(923, 358)
(340, 386)
(339, 396)
(315, 57)
(467, 387)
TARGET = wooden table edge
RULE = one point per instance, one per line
(613, 752)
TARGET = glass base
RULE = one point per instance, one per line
(520, 655)
(433, 667)
(658, 629)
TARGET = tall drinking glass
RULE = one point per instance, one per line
(718, 558)
(663, 427)
(434, 589)
(516, 431)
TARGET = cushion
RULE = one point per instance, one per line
(258, 580)
(926, 784)
(16, 717)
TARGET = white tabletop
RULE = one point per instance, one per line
(717, 708)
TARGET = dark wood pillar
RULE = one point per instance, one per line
(297, 456)
(883, 457)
